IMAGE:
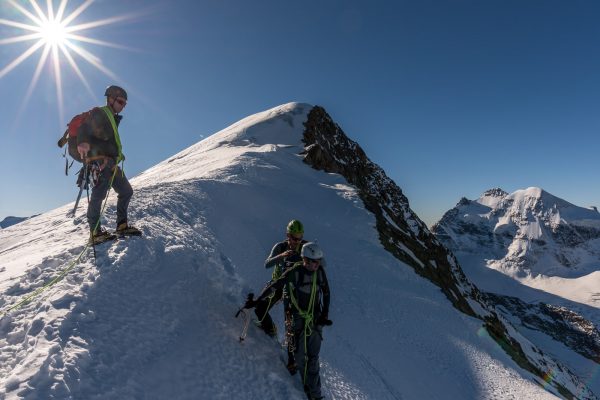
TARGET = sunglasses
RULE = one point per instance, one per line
(294, 239)
(311, 261)
(121, 102)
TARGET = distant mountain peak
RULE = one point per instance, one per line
(492, 197)
(463, 202)
(10, 221)
(530, 229)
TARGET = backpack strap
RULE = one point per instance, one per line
(111, 118)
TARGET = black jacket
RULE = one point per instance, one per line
(298, 283)
(281, 264)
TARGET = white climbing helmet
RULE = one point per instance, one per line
(311, 250)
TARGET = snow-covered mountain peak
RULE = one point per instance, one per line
(529, 231)
(535, 198)
(491, 197)
(255, 129)
(265, 131)
(552, 211)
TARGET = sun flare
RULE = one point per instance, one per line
(58, 39)
(53, 33)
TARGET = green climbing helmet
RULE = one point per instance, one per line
(295, 227)
(115, 91)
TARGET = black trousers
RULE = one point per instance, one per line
(120, 184)
(262, 312)
(308, 347)
(266, 322)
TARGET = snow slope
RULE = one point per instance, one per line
(154, 318)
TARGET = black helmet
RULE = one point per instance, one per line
(115, 91)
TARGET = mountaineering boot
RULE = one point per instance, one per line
(309, 396)
(101, 236)
(270, 331)
(124, 229)
(292, 367)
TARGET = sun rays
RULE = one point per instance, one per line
(59, 41)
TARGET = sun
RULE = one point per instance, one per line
(53, 33)
(58, 39)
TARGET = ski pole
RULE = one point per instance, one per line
(245, 316)
(87, 190)
(246, 319)
(82, 185)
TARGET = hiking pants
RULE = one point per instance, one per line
(262, 311)
(120, 185)
(307, 356)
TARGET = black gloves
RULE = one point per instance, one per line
(324, 321)
(250, 302)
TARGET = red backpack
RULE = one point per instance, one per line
(70, 135)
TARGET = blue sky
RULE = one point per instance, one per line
(451, 98)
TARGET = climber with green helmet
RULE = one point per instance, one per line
(307, 299)
(283, 252)
(283, 255)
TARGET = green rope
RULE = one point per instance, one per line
(69, 267)
(276, 273)
(30, 296)
(308, 317)
(268, 307)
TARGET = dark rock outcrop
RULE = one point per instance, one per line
(401, 232)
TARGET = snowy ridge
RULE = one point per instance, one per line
(262, 132)
(154, 318)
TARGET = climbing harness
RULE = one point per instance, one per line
(83, 183)
(289, 341)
